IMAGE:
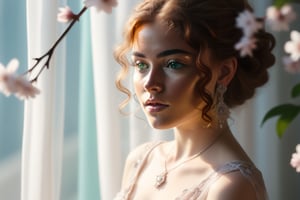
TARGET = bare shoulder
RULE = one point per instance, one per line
(132, 161)
(232, 186)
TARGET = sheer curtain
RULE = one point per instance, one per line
(104, 135)
(43, 118)
(13, 43)
(117, 134)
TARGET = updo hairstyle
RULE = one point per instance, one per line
(205, 24)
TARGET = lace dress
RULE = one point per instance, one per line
(200, 191)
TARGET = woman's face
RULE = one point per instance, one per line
(165, 77)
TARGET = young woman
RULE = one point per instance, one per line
(187, 73)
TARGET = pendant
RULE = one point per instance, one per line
(160, 180)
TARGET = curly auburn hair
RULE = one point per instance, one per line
(205, 24)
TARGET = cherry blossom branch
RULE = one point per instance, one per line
(50, 52)
(20, 85)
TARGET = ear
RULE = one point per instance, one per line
(227, 71)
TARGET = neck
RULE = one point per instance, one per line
(190, 141)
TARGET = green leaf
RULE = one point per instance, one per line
(285, 111)
(283, 123)
(280, 3)
(296, 90)
(281, 126)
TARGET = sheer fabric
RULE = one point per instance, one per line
(41, 168)
(200, 191)
(43, 116)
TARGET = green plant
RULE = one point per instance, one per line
(286, 112)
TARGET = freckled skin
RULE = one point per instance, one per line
(174, 87)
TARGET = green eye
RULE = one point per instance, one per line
(174, 64)
(140, 65)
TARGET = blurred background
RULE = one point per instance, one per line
(13, 44)
(271, 154)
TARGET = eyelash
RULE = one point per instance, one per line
(171, 64)
(138, 64)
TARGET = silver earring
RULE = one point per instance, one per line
(222, 108)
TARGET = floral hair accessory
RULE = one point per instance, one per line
(247, 22)
(280, 18)
(246, 45)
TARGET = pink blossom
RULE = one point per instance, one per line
(248, 23)
(105, 5)
(25, 88)
(245, 46)
(290, 65)
(11, 83)
(7, 77)
(280, 18)
(65, 15)
(295, 160)
(293, 46)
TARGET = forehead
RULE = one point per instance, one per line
(157, 36)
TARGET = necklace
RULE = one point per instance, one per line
(161, 178)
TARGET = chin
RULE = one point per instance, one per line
(159, 126)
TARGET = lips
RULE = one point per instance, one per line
(155, 106)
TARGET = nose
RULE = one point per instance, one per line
(154, 81)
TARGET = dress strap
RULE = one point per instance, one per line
(247, 169)
(139, 166)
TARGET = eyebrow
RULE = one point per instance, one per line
(164, 53)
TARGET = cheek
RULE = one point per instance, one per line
(137, 81)
(187, 90)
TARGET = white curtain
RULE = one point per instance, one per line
(118, 134)
(43, 120)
